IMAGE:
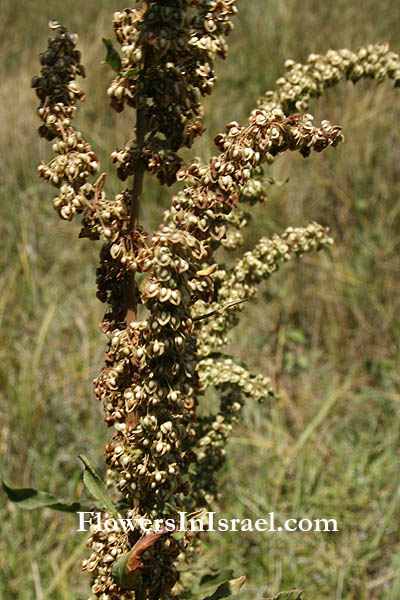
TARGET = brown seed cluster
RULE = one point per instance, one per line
(168, 51)
(157, 573)
(58, 92)
(213, 191)
(148, 388)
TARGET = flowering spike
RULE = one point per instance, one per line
(164, 332)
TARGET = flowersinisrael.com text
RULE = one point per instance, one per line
(209, 523)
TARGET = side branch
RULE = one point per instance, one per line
(303, 82)
(212, 191)
(242, 280)
(69, 171)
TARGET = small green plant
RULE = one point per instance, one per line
(171, 299)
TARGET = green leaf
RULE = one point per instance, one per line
(130, 72)
(29, 499)
(227, 589)
(96, 487)
(112, 58)
(129, 581)
(210, 580)
(276, 182)
(294, 594)
(208, 583)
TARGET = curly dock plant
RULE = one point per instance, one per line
(171, 301)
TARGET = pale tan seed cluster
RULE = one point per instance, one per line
(106, 548)
(253, 190)
(301, 83)
(242, 280)
(224, 373)
(234, 384)
(235, 221)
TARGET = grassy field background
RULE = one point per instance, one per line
(326, 328)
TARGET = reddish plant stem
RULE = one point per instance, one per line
(136, 197)
(139, 171)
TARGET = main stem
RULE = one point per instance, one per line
(136, 197)
(139, 171)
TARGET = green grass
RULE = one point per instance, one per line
(325, 328)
